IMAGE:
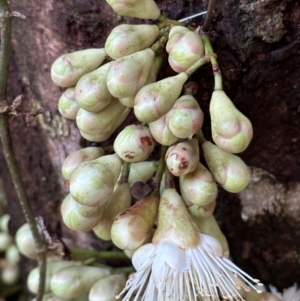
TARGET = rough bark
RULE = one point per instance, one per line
(258, 46)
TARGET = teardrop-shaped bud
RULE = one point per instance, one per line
(185, 118)
(68, 68)
(198, 187)
(68, 105)
(10, 274)
(127, 75)
(132, 228)
(81, 155)
(5, 241)
(127, 101)
(156, 99)
(91, 90)
(108, 130)
(74, 281)
(228, 170)
(107, 288)
(25, 242)
(231, 130)
(141, 171)
(12, 255)
(33, 278)
(161, 133)
(183, 157)
(74, 220)
(92, 182)
(100, 122)
(4, 220)
(184, 47)
(127, 39)
(118, 202)
(142, 9)
(134, 143)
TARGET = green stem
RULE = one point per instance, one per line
(205, 59)
(200, 137)
(160, 168)
(208, 17)
(169, 183)
(99, 254)
(159, 45)
(215, 67)
(165, 22)
(5, 52)
(124, 173)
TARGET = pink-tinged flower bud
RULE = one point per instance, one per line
(127, 75)
(184, 47)
(198, 187)
(118, 202)
(231, 130)
(68, 105)
(156, 99)
(228, 170)
(91, 90)
(81, 155)
(92, 182)
(134, 143)
(126, 39)
(161, 132)
(142, 9)
(183, 158)
(67, 69)
(185, 118)
(132, 228)
(141, 171)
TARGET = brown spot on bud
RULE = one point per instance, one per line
(146, 139)
(183, 165)
(129, 156)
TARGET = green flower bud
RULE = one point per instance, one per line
(227, 169)
(81, 155)
(74, 220)
(67, 69)
(184, 47)
(33, 279)
(127, 75)
(132, 228)
(10, 274)
(198, 187)
(127, 39)
(141, 171)
(231, 130)
(127, 101)
(100, 122)
(185, 118)
(91, 90)
(161, 133)
(183, 158)
(134, 143)
(25, 242)
(118, 202)
(92, 182)
(156, 99)
(5, 241)
(142, 9)
(4, 219)
(12, 255)
(107, 288)
(68, 105)
(74, 281)
(202, 211)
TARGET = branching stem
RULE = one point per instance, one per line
(208, 17)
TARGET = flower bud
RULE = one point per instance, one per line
(141, 171)
(227, 169)
(198, 187)
(134, 143)
(127, 101)
(92, 182)
(127, 75)
(202, 211)
(68, 68)
(107, 288)
(81, 155)
(4, 220)
(184, 47)
(91, 90)
(68, 105)
(142, 9)
(33, 279)
(231, 130)
(127, 39)
(132, 228)
(10, 274)
(118, 202)
(161, 133)
(74, 220)
(156, 99)
(74, 281)
(185, 118)
(100, 122)
(183, 158)
(5, 241)
(12, 255)
(25, 242)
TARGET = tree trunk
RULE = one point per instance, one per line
(258, 46)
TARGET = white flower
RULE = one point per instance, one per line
(181, 264)
(290, 294)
